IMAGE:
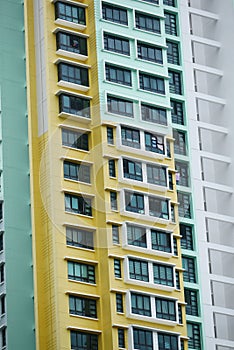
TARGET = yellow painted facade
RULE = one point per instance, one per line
(51, 254)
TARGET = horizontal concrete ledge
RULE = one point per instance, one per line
(220, 248)
(207, 69)
(212, 127)
(210, 98)
(225, 343)
(204, 13)
(205, 41)
(216, 157)
(217, 187)
(220, 278)
(219, 217)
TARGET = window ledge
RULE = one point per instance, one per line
(148, 31)
(153, 319)
(70, 54)
(75, 117)
(152, 92)
(86, 283)
(76, 149)
(81, 248)
(116, 53)
(81, 215)
(84, 317)
(73, 25)
(145, 217)
(117, 84)
(74, 86)
(77, 181)
(150, 284)
(148, 251)
(115, 23)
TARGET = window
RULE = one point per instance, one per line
(83, 341)
(113, 201)
(180, 314)
(170, 24)
(156, 175)
(115, 234)
(161, 241)
(143, 340)
(3, 333)
(70, 13)
(168, 144)
(79, 238)
(175, 246)
(149, 53)
(118, 75)
(3, 305)
(138, 270)
(186, 232)
(172, 212)
(175, 84)
(111, 164)
(77, 172)
(73, 74)
(110, 135)
(114, 14)
(136, 236)
(81, 272)
(82, 306)
(189, 267)
(2, 273)
(147, 22)
(173, 55)
(154, 143)
(159, 208)
(180, 142)
(116, 44)
(152, 1)
(177, 112)
(130, 137)
(132, 170)
(75, 139)
(163, 274)
(71, 43)
(184, 200)
(117, 268)
(74, 105)
(154, 114)
(181, 344)
(170, 179)
(120, 106)
(182, 174)
(78, 204)
(177, 276)
(151, 83)
(1, 242)
(165, 309)
(140, 304)
(169, 2)
(167, 342)
(119, 302)
(134, 202)
(191, 298)
(194, 335)
(121, 338)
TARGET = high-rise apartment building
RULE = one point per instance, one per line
(116, 227)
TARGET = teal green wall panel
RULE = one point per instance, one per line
(16, 186)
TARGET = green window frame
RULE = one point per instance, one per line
(80, 238)
(81, 272)
(138, 270)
